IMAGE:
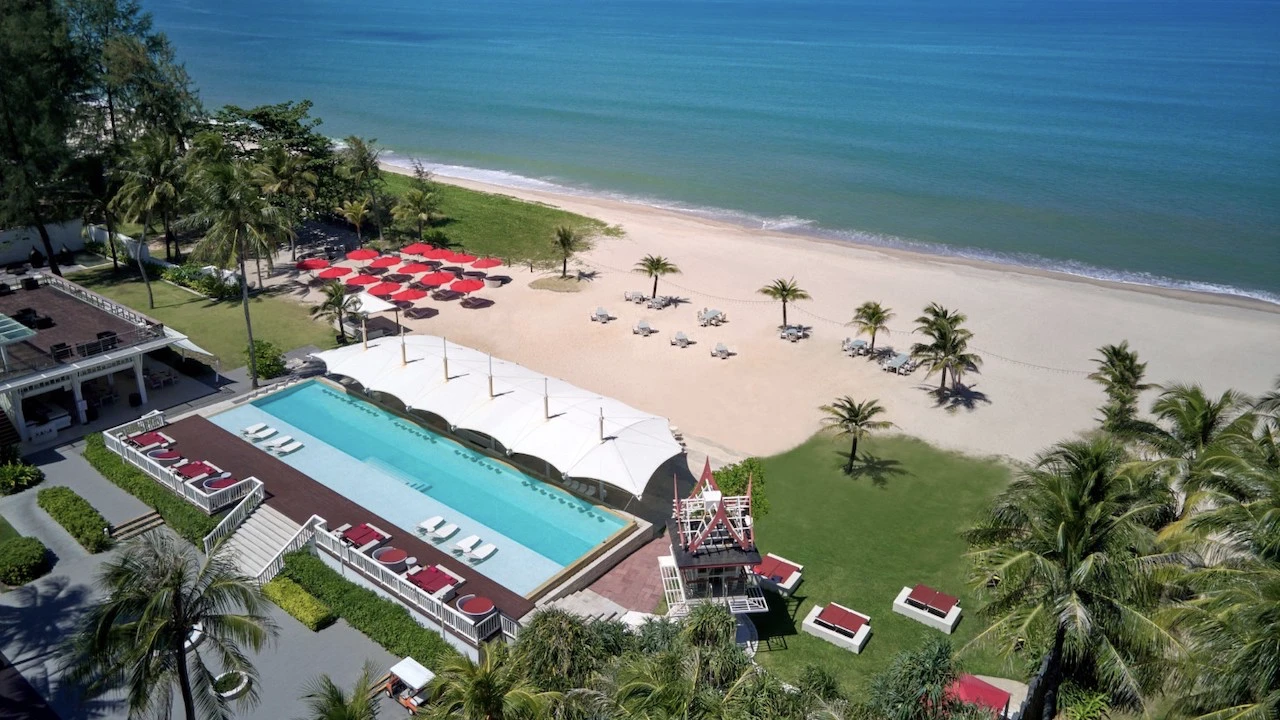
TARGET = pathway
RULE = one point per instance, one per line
(634, 583)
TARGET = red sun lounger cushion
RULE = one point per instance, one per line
(842, 621)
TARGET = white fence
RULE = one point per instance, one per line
(92, 298)
(233, 519)
(302, 538)
(459, 623)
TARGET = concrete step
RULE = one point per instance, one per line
(260, 538)
(136, 526)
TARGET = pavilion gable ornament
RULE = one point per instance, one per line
(705, 491)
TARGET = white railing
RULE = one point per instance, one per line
(234, 518)
(114, 437)
(456, 621)
(210, 503)
(300, 539)
(86, 295)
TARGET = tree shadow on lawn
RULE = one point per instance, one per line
(775, 626)
(44, 616)
(877, 469)
(958, 397)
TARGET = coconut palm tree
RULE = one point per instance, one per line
(948, 347)
(496, 688)
(288, 183)
(784, 291)
(1070, 546)
(871, 317)
(846, 416)
(1120, 374)
(1268, 405)
(147, 187)
(156, 591)
(915, 685)
(655, 266)
(935, 315)
(416, 206)
(336, 305)
(325, 700)
(355, 212)
(238, 223)
(568, 242)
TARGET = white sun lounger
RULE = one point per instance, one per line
(466, 545)
(262, 434)
(291, 447)
(430, 525)
(278, 442)
(482, 553)
(444, 533)
(253, 428)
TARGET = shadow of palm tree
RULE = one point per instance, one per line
(42, 618)
(588, 275)
(876, 469)
(958, 397)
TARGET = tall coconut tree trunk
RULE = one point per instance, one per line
(180, 655)
(564, 268)
(45, 240)
(1050, 680)
(142, 267)
(257, 261)
(655, 287)
(342, 329)
(853, 453)
(873, 341)
(170, 238)
(943, 385)
(248, 322)
(111, 240)
(784, 313)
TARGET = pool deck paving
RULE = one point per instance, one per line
(299, 497)
(635, 583)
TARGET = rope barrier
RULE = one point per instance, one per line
(798, 309)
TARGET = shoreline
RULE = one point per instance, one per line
(556, 196)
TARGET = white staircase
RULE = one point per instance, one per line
(259, 539)
(590, 605)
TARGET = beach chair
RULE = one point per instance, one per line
(430, 525)
(278, 443)
(444, 533)
(482, 553)
(658, 302)
(289, 448)
(680, 340)
(720, 351)
(466, 545)
(256, 427)
(262, 434)
(642, 328)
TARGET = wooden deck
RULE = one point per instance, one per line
(299, 497)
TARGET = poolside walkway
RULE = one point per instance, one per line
(635, 583)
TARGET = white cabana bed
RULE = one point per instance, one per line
(580, 433)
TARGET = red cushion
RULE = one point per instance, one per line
(926, 598)
(841, 620)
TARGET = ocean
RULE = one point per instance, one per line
(1134, 140)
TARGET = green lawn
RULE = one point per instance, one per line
(862, 538)
(215, 326)
(6, 530)
(498, 225)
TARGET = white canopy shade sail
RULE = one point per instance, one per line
(581, 433)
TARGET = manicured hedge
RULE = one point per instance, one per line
(385, 622)
(75, 514)
(18, 476)
(182, 517)
(22, 560)
(299, 603)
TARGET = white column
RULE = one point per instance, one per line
(137, 376)
(18, 419)
(80, 403)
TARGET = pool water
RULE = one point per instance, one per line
(406, 473)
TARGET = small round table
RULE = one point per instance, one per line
(476, 606)
(390, 556)
(220, 482)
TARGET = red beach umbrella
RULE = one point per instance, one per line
(384, 288)
(416, 248)
(415, 268)
(409, 295)
(483, 263)
(386, 261)
(334, 273)
(437, 278)
(313, 264)
(363, 280)
(467, 286)
(362, 254)
(461, 258)
(436, 254)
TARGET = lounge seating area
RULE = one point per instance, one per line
(854, 348)
(643, 329)
(793, 333)
(712, 317)
(149, 440)
(471, 548)
(721, 351)
(680, 340)
(436, 580)
(839, 626)
(363, 537)
(280, 446)
(778, 574)
(931, 607)
(899, 364)
(601, 316)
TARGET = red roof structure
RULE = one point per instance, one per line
(972, 690)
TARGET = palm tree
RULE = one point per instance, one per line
(147, 187)
(1268, 404)
(238, 223)
(915, 685)
(416, 206)
(326, 701)
(359, 162)
(871, 317)
(784, 291)
(948, 346)
(568, 242)
(287, 182)
(1120, 374)
(855, 419)
(355, 212)
(1070, 546)
(935, 315)
(156, 591)
(655, 266)
(496, 688)
(558, 650)
(336, 305)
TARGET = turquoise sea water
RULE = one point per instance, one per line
(1131, 139)
(406, 474)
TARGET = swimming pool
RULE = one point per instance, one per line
(406, 473)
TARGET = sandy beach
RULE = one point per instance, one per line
(1037, 333)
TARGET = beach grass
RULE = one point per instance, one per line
(861, 538)
(6, 530)
(213, 325)
(501, 226)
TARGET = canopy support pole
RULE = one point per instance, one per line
(444, 343)
(404, 356)
(364, 331)
(491, 377)
(601, 424)
(546, 401)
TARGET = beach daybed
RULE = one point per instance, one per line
(149, 440)
(642, 328)
(466, 545)
(720, 351)
(435, 581)
(430, 525)
(482, 553)
(423, 313)
(680, 340)
(601, 316)
(444, 533)
(363, 537)
(476, 303)
(778, 574)
(931, 607)
(838, 625)
(196, 471)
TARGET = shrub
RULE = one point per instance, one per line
(270, 359)
(18, 476)
(194, 276)
(22, 560)
(299, 603)
(75, 514)
(732, 480)
(383, 621)
(185, 519)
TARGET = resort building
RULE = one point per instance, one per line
(470, 489)
(69, 356)
(713, 551)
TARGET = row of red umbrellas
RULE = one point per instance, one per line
(387, 261)
(382, 289)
